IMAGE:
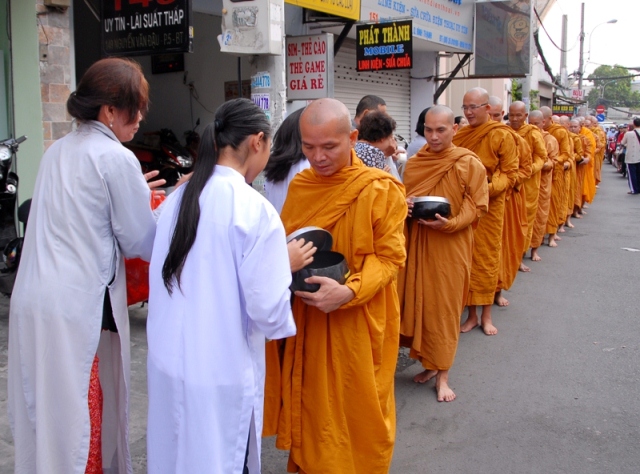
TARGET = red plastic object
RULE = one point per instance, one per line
(137, 270)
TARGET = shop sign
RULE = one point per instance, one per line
(448, 23)
(342, 8)
(563, 109)
(309, 67)
(384, 46)
(263, 100)
(262, 80)
(136, 27)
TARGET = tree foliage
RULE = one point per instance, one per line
(616, 92)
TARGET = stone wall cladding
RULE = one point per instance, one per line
(55, 71)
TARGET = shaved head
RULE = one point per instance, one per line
(439, 128)
(475, 105)
(478, 92)
(546, 112)
(442, 110)
(555, 119)
(322, 111)
(564, 121)
(327, 138)
(496, 109)
(574, 126)
(517, 114)
(536, 119)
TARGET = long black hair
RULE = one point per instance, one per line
(420, 124)
(234, 122)
(286, 150)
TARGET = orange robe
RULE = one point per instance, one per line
(494, 144)
(558, 188)
(589, 187)
(514, 232)
(338, 405)
(570, 180)
(434, 285)
(533, 137)
(544, 198)
(601, 144)
(580, 170)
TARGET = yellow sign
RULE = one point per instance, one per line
(342, 8)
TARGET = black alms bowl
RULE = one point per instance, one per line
(326, 264)
(426, 207)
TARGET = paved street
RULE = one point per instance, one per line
(556, 391)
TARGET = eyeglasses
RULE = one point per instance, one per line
(473, 107)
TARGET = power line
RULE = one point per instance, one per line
(549, 36)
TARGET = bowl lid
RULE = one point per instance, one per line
(322, 239)
(430, 199)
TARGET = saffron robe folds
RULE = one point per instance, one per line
(569, 182)
(494, 144)
(544, 197)
(601, 144)
(338, 407)
(514, 232)
(558, 187)
(580, 170)
(589, 186)
(434, 285)
(533, 137)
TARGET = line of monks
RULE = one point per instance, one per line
(329, 395)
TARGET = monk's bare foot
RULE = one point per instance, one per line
(425, 376)
(524, 268)
(535, 257)
(570, 225)
(577, 215)
(501, 300)
(561, 229)
(471, 322)
(489, 329)
(552, 243)
(445, 394)
(585, 206)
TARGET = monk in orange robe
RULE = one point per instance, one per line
(546, 178)
(569, 179)
(514, 231)
(589, 187)
(433, 293)
(558, 188)
(533, 136)
(581, 162)
(601, 144)
(493, 142)
(338, 405)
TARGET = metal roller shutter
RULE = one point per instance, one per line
(393, 86)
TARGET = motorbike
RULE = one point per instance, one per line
(162, 151)
(9, 240)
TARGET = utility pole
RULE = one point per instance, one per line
(581, 66)
(563, 53)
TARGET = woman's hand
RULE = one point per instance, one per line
(300, 254)
(155, 184)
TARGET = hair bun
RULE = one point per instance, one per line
(217, 125)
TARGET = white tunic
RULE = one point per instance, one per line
(90, 207)
(276, 193)
(206, 362)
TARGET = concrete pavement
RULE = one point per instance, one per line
(556, 391)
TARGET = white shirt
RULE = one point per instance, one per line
(276, 193)
(630, 140)
(206, 362)
(90, 207)
(415, 145)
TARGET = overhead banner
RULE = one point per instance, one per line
(449, 23)
(384, 46)
(503, 38)
(137, 27)
(309, 67)
(342, 8)
(567, 110)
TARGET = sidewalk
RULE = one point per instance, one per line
(555, 391)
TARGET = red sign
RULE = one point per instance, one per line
(600, 109)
